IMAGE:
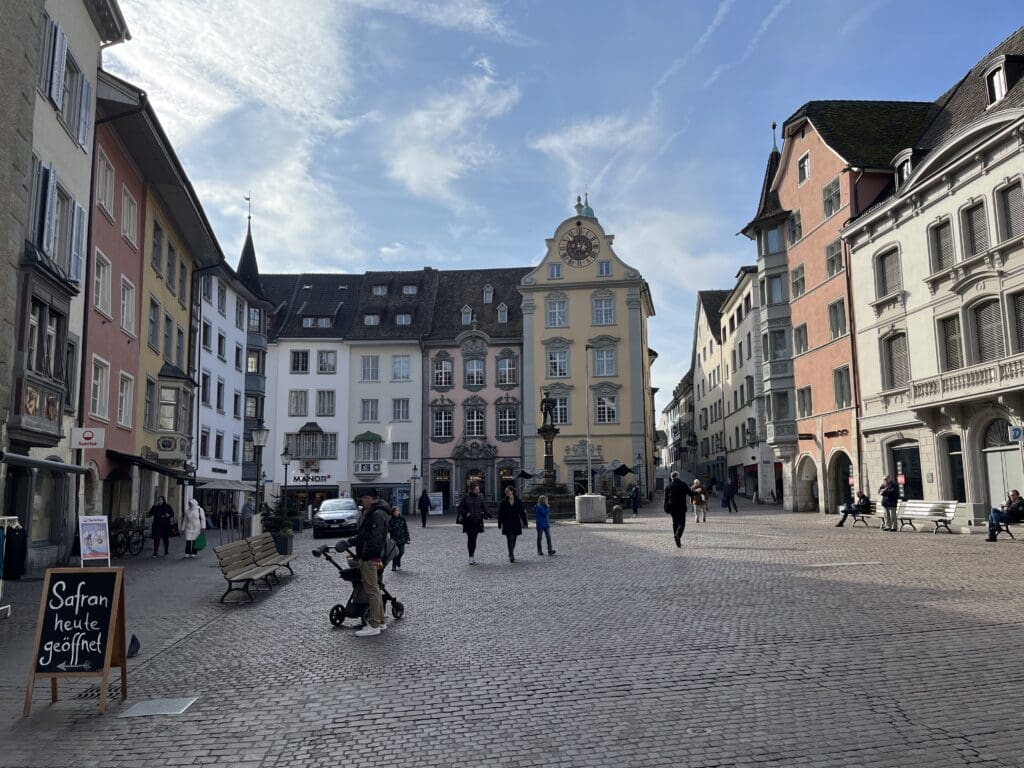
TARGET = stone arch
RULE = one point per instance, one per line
(808, 491)
(840, 470)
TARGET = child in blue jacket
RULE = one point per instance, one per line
(542, 516)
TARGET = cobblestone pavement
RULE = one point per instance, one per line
(767, 640)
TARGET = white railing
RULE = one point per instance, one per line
(978, 379)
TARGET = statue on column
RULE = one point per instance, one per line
(547, 409)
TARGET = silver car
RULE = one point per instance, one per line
(336, 516)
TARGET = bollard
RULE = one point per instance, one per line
(617, 514)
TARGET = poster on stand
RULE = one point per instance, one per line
(94, 538)
(436, 503)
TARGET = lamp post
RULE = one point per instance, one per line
(260, 436)
(590, 472)
(412, 487)
(286, 460)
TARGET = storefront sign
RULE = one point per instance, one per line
(310, 479)
(94, 538)
(87, 437)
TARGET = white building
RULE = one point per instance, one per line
(709, 403)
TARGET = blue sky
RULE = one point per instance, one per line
(399, 134)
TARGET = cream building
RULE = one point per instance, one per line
(585, 314)
(708, 397)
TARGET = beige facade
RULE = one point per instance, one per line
(585, 343)
(708, 399)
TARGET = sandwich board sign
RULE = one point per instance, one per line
(80, 630)
(436, 503)
(94, 538)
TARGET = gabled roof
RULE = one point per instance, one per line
(465, 287)
(712, 302)
(420, 306)
(769, 206)
(293, 297)
(865, 133)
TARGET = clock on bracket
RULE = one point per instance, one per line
(579, 246)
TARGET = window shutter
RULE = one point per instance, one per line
(60, 55)
(977, 229)
(952, 343)
(78, 244)
(893, 278)
(1018, 319)
(899, 367)
(85, 114)
(49, 207)
(989, 332)
(942, 246)
(1013, 203)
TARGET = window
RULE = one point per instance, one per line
(800, 339)
(797, 278)
(252, 407)
(903, 169)
(488, 294)
(325, 402)
(204, 387)
(101, 284)
(750, 347)
(834, 258)
(172, 267)
(367, 451)
(400, 368)
(604, 362)
(803, 169)
(204, 443)
(475, 421)
(207, 336)
(239, 357)
(129, 217)
(605, 412)
(896, 363)
(841, 386)
(168, 338)
(319, 445)
(127, 306)
(104, 182)
(941, 242)
(220, 395)
(507, 373)
(995, 83)
(442, 423)
(326, 361)
(1012, 203)
(100, 392)
(182, 280)
(222, 298)
(775, 292)
(399, 451)
(297, 402)
(179, 351)
(218, 446)
(400, 409)
(236, 404)
(316, 322)
(234, 450)
(796, 229)
(475, 373)
(369, 368)
(739, 350)
(300, 361)
(561, 414)
(149, 414)
(409, 290)
(558, 364)
(255, 320)
(554, 271)
(206, 281)
(443, 373)
(154, 324)
(952, 342)
(604, 269)
(239, 313)
(830, 197)
(380, 290)
(975, 230)
(168, 416)
(368, 410)
(837, 318)
(222, 346)
(157, 252)
(467, 316)
(508, 421)
(403, 318)
(771, 241)
(254, 362)
(988, 331)
(248, 452)
(603, 310)
(777, 345)
(557, 312)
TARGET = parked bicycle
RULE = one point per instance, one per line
(127, 537)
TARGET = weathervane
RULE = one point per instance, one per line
(248, 199)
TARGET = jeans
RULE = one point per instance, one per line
(371, 587)
(544, 532)
(471, 541)
(511, 539)
(423, 516)
(678, 524)
(732, 504)
(995, 517)
(397, 562)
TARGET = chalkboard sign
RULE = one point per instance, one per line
(80, 631)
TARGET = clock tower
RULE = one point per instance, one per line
(585, 314)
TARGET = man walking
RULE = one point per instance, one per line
(634, 499)
(424, 506)
(677, 497)
(729, 496)
(369, 546)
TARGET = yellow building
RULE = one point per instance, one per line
(585, 315)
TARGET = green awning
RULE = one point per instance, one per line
(368, 437)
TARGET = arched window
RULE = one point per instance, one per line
(997, 434)
(941, 241)
(988, 331)
(502, 313)
(955, 468)
(888, 277)
(896, 364)
(467, 315)
(488, 294)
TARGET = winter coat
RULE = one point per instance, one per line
(373, 532)
(677, 494)
(890, 493)
(193, 521)
(472, 511)
(424, 503)
(398, 530)
(163, 516)
(512, 517)
(542, 516)
(634, 497)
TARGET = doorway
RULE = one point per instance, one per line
(1002, 462)
(442, 483)
(476, 477)
(839, 477)
(906, 465)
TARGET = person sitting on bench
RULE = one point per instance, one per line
(1011, 512)
(860, 507)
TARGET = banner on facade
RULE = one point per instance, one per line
(94, 538)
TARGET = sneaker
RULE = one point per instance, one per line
(382, 627)
(551, 552)
(540, 553)
(472, 561)
(368, 631)
(155, 555)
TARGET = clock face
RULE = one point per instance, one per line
(579, 246)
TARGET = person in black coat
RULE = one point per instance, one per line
(890, 493)
(677, 498)
(163, 516)
(511, 520)
(471, 514)
(424, 506)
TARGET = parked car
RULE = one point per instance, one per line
(336, 516)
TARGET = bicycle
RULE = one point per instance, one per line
(128, 537)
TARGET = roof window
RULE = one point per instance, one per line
(380, 290)
(995, 82)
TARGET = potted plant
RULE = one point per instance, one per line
(277, 523)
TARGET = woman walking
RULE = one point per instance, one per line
(162, 515)
(472, 511)
(511, 520)
(542, 521)
(399, 533)
(194, 522)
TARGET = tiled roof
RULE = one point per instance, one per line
(712, 302)
(394, 302)
(769, 205)
(465, 287)
(294, 297)
(866, 133)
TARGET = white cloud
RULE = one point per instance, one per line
(474, 16)
(431, 148)
(766, 22)
(698, 46)
(861, 15)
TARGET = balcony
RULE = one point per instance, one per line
(255, 340)
(966, 383)
(777, 432)
(255, 383)
(366, 470)
(776, 369)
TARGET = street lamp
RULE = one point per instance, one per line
(260, 435)
(590, 472)
(286, 460)
(412, 487)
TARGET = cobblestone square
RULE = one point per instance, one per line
(769, 639)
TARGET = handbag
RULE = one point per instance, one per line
(200, 543)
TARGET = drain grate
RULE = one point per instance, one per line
(113, 691)
(160, 707)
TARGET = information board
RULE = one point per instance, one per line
(436, 503)
(94, 538)
(80, 630)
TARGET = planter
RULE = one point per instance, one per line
(296, 524)
(284, 543)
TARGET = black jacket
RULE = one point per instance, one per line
(677, 494)
(373, 532)
(472, 511)
(890, 493)
(424, 503)
(512, 517)
(163, 516)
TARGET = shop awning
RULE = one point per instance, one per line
(155, 466)
(223, 484)
(20, 460)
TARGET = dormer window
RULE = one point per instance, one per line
(316, 322)
(902, 173)
(502, 313)
(467, 316)
(995, 82)
(408, 290)
(403, 318)
(488, 294)
(380, 290)
(371, 319)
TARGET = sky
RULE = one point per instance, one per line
(394, 134)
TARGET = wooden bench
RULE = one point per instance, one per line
(264, 552)
(239, 567)
(862, 517)
(940, 513)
